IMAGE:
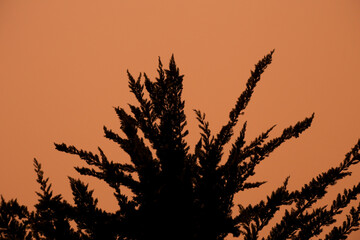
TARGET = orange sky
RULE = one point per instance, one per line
(63, 67)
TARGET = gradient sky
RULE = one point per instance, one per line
(63, 69)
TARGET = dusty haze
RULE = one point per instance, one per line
(63, 69)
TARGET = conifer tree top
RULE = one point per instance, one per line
(178, 193)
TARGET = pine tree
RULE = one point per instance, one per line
(178, 194)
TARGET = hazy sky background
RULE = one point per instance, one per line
(63, 69)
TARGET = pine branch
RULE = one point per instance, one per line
(157, 90)
(137, 88)
(232, 168)
(257, 154)
(351, 224)
(14, 220)
(139, 153)
(110, 172)
(46, 193)
(227, 131)
(251, 185)
(89, 157)
(92, 222)
(311, 193)
(254, 218)
(50, 207)
(206, 132)
(323, 217)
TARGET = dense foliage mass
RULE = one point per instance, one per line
(178, 194)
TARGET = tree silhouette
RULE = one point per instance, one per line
(178, 194)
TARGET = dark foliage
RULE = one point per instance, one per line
(178, 194)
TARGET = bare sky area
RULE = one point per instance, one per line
(63, 69)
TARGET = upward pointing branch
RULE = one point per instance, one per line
(226, 131)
